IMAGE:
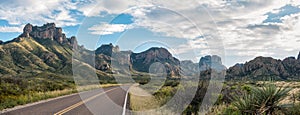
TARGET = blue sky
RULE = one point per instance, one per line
(235, 30)
(281, 12)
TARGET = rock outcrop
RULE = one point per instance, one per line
(107, 49)
(142, 61)
(211, 62)
(264, 68)
(26, 30)
(48, 31)
(291, 66)
(298, 56)
(188, 68)
(73, 42)
(34, 48)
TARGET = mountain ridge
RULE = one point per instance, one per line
(46, 48)
(286, 69)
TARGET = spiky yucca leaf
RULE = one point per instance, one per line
(245, 103)
(263, 100)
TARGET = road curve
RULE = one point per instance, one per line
(109, 101)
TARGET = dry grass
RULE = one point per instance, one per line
(140, 100)
(11, 101)
(295, 86)
(90, 87)
(217, 109)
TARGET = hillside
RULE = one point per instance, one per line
(46, 49)
(37, 50)
(266, 68)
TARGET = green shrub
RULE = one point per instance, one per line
(294, 110)
(231, 111)
(246, 88)
(263, 100)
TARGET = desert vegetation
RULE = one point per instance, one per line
(236, 98)
(19, 90)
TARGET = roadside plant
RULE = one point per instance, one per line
(264, 100)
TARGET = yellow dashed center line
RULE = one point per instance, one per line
(81, 102)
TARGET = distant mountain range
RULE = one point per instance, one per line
(264, 68)
(47, 49)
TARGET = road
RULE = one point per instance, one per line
(109, 101)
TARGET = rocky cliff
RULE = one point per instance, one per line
(211, 62)
(142, 61)
(264, 68)
(298, 56)
(46, 49)
(107, 49)
(48, 31)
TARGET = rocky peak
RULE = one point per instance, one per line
(107, 49)
(186, 62)
(26, 30)
(298, 56)
(155, 54)
(47, 31)
(290, 58)
(208, 60)
(239, 65)
(73, 42)
(1, 42)
(211, 62)
(143, 61)
(158, 52)
(263, 68)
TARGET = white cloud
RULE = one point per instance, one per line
(18, 12)
(10, 29)
(107, 29)
(97, 7)
(235, 25)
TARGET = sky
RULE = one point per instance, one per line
(236, 30)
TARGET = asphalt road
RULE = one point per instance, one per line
(109, 101)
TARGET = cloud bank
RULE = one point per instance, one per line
(243, 29)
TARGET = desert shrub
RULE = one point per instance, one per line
(263, 100)
(230, 110)
(172, 83)
(246, 88)
(294, 110)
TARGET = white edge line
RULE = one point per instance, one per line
(125, 102)
(35, 103)
(40, 102)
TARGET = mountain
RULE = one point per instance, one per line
(36, 50)
(142, 61)
(46, 49)
(110, 59)
(211, 62)
(47, 31)
(264, 68)
(189, 68)
(298, 56)
(211, 67)
(43, 51)
(107, 49)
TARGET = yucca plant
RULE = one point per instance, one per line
(245, 104)
(265, 100)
